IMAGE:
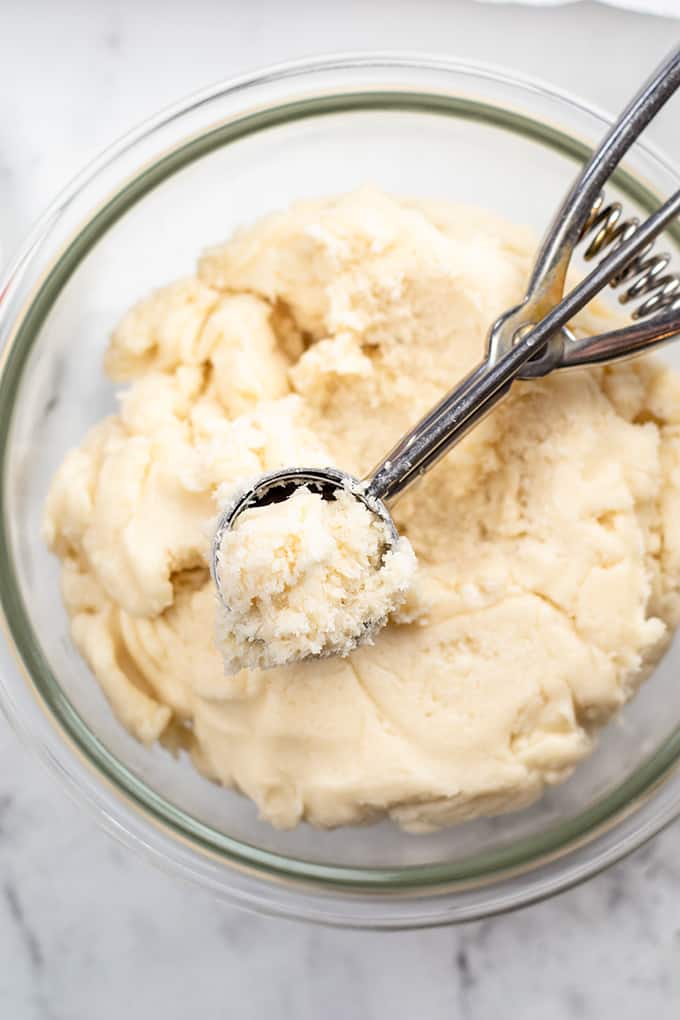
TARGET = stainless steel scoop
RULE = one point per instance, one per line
(532, 339)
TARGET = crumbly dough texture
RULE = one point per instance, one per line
(306, 576)
(548, 542)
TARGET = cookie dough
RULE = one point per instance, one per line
(548, 542)
(306, 576)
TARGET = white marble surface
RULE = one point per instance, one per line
(87, 930)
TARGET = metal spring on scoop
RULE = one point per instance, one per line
(645, 276)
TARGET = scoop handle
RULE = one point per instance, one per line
(548, 277)
(480, 391)
(445, 425)
(552, 262)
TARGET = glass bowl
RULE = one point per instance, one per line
(138, 218)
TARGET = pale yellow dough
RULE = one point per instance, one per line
(548, 542)
(307, 576)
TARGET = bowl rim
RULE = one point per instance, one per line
(55, 743)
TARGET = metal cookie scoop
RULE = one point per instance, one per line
(532, 339)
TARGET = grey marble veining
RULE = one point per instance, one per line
(88, 931)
